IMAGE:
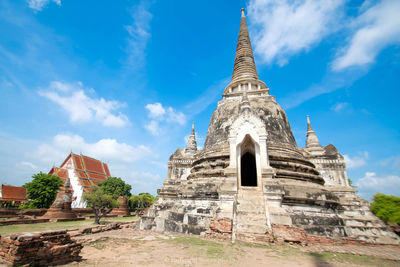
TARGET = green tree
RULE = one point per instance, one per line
(42, 190)
(141, 201)
(100, 202)
(116, 187)
(386, 208)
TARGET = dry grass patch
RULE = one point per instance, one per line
(6, 230)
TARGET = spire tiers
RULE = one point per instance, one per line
(191, 146)
(312, 139)
(244, 70)
(245, 67)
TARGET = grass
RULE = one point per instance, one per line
(201, 247)
(227, 251)
(99, 244)
(106, 242)
(322, 257)
(69, 225)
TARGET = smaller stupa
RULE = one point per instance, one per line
(61, 210)
(123, 209)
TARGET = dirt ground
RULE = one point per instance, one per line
(128, 247)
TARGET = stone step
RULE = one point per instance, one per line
(259, 221)
(249, 212)
(251, 228)
(377, 239)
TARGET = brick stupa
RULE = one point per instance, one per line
(123, 209)
(61, 210)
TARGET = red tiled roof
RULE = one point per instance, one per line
(97, 176)
(78, 162)
(85, 182)
(106, 169)
(94, 183)
(62, 173)
(93, 165)
(89, 170)
(82, 175)
(13, 193)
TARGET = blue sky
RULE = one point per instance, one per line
(123, 82)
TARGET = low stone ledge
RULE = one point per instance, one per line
(23, 221)
(39, 249)
(101, 228)
(292, 234)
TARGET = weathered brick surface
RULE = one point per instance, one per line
(123, 209)
(39, 249)
(221, 225)
(289, 233)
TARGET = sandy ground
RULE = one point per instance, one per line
(128, 247)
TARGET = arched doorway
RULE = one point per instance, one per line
(248, 166)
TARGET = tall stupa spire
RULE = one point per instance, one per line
(244, 74)
(245, 67)
(191, 147)
(312, 139)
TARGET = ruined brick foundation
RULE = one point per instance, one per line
(39, 249)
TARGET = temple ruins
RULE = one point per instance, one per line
(252, 181)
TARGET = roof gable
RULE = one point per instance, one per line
(90, 171)
(13, 193)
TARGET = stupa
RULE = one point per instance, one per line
(123, 209)
(61, 209)
(252, 181)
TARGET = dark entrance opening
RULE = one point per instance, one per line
(248, 170)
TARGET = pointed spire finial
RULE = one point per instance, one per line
(312, 139)
(309, 128)
(244, 67)
(191, 146)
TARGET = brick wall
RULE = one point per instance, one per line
(44, 248)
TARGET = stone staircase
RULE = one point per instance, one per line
(250, 217)
(360, 223)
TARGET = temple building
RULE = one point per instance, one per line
(12, 195)
(82, 172)
(252, 181)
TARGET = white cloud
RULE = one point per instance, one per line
(146, 176)
(371, 184)
(357, 161)
(81, 108)
(377, 28)
(392, 162)
(156, 110)
(175, 116)
(160, 116)
(121, 158)
(339, 107)
(284, 28)
(153, 127)
(139, 34)
(38, 5)
(104, 149)
(27, 164)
